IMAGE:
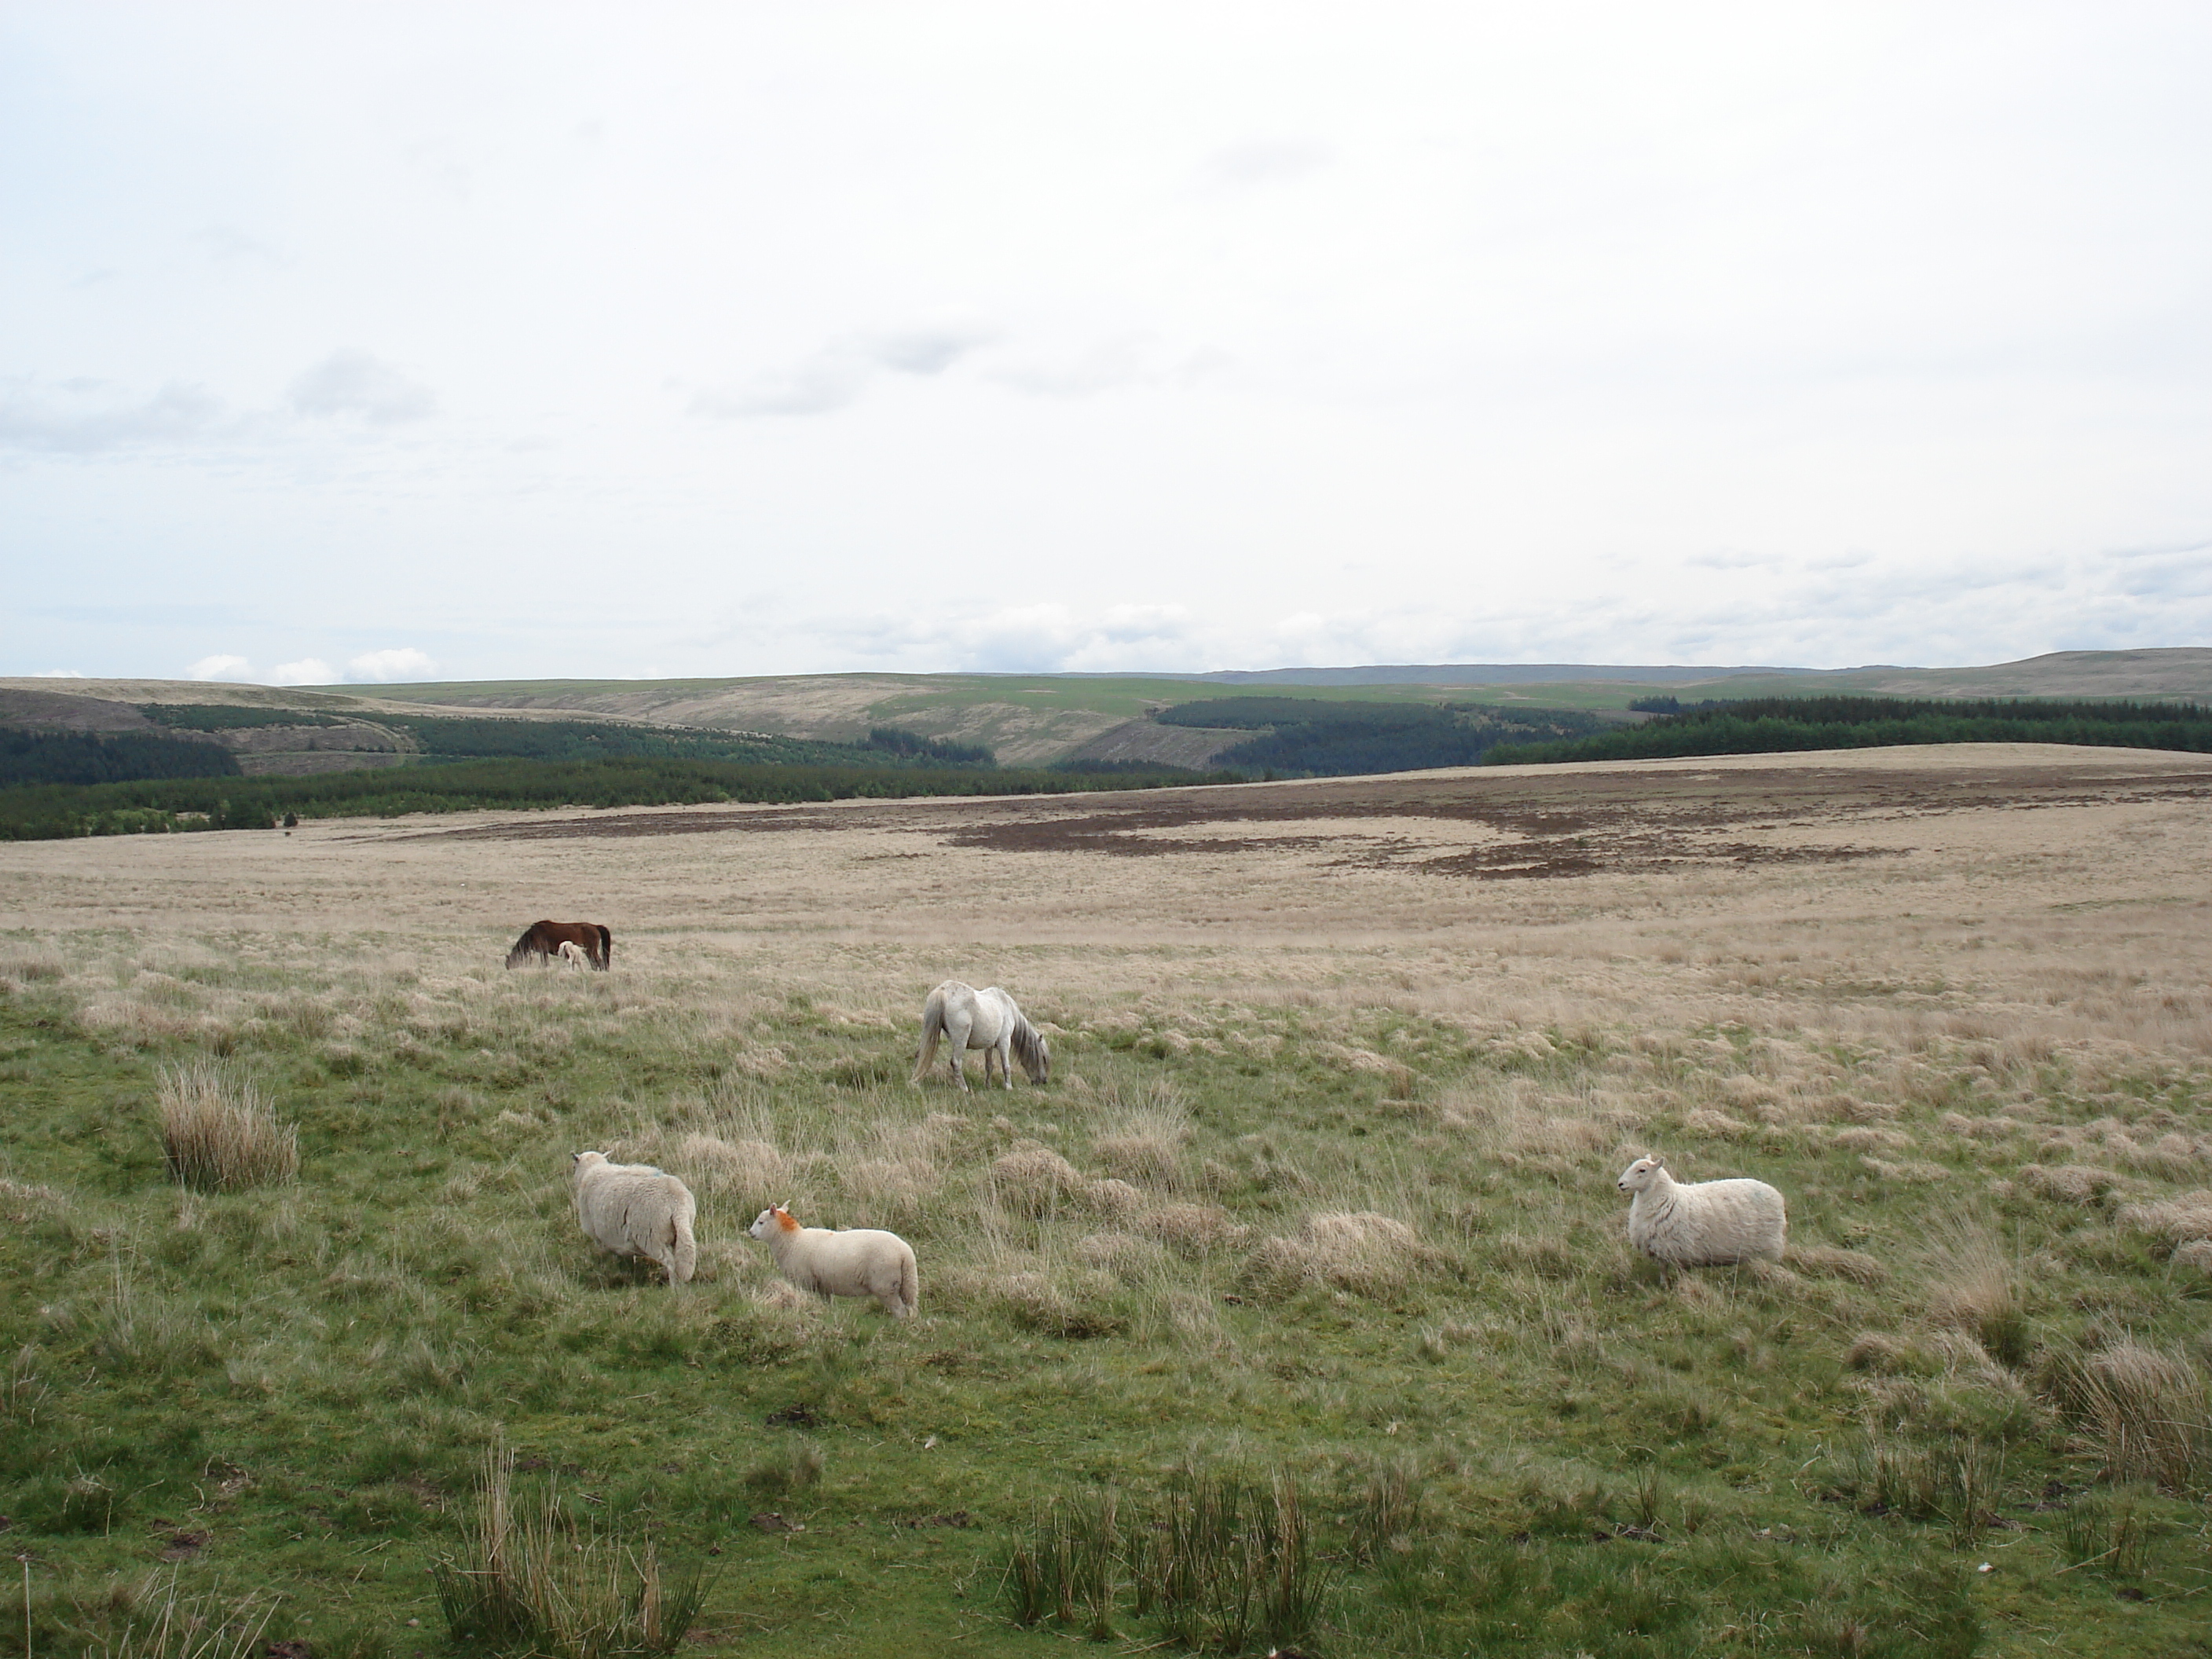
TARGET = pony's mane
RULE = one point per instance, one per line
(1028, 1046)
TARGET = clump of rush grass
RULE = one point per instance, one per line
(2105, 1534)
(1231, 1562)
(1223, 1563)
(530, 1580)
(2145, 1412)
(154, 1620)
(218, 1133)
(1067, 1565)
(1957, 1480)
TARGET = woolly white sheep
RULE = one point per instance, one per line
(858, 1262)
(1703, 1223)
(633, 1209)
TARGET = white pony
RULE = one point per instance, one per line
(573, 954)
(985, 1019)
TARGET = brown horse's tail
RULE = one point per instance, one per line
(606, 946)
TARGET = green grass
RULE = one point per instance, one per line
(1508, 1436)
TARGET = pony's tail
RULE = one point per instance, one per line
(932, 1027)
(1029, 1047)
(685, 1258)
(909, 1285)
(607, 946)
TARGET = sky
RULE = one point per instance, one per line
(381, 342)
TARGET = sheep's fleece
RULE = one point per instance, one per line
(859, 1262)
(1703, 1223)
(633, 1209)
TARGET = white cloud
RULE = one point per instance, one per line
(835, 375)
(219, 667)
(403, 663)
(81, 416)
(1266, 161)
(354, 383)
(56, 674)
(308, 671)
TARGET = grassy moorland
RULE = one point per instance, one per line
(1316, 1210)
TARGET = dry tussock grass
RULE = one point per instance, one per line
(2182, 1219)
(1909, 1172)
(2196, 1255)
(1144, 1144)
(1115, 1199)
(1192, 1230)
(217, 1132)
(1976, 1289)
(1360, 1251)
(1127, 1256)
(2071, 1183)
(2144, 1413)
(1866, 1139)
(1828, 1262)
(1034, 1180)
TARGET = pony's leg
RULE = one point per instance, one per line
(1006, 1052)
(957, 1025)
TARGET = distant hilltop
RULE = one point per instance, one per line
(1029, 719)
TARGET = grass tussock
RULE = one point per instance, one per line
(2143, 1411)
(531, 1579)
(218, 1133)
(1221, 1563)
(157, 1618)
(2182, 1219)
(1359, 1251)
(1975, 1287)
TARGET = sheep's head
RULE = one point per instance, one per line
(580, 1162)
(1639, 1176)
(774, 1218)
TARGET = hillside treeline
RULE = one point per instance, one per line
(1777, 724)
(443, 739)
(88, 757)
(1313, 738)
(230, 717)
(27, 758)
(238, 803)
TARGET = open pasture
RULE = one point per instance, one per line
(1320, 1197)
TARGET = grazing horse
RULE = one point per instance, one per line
(544, 939)
(985, 1019)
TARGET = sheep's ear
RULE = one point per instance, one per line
(1658, 1163)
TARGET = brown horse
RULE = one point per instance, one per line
(544, 939)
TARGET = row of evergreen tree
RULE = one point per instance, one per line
(1777, 724)
(46, 812)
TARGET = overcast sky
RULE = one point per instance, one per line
(467, 341)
